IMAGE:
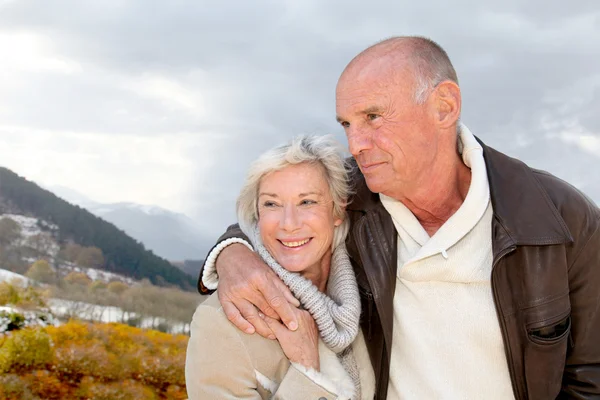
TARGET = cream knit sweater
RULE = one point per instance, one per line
(447, 342)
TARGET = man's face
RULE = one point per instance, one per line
(392, 138)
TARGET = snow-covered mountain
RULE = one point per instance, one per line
(171, 235)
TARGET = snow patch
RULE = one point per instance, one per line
(9, 276)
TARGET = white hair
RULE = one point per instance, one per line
(320, 150)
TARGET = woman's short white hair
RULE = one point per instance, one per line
(320, 150)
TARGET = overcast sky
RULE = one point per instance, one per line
(167, 103)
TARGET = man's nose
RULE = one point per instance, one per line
(290, 220)
(358, 140)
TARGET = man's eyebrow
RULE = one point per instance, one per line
(371, 110)
(368, 110)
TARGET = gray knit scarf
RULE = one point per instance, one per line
(336, 313)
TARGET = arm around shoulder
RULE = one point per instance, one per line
(208, 278)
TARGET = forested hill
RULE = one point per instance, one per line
(122, 254)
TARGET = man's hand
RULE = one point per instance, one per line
(245, 283)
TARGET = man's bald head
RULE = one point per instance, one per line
(427, 60)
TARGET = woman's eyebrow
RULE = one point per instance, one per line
(310, 194)
(267, 194)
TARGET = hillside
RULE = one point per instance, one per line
(122, 254)
(170, 235)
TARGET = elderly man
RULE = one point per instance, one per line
(479, 276)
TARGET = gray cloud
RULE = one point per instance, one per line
(242, 76)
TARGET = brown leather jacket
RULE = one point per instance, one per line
(545, 279)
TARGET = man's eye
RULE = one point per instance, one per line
(372, 116)
(345, 124)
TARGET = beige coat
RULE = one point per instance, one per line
(225, 363)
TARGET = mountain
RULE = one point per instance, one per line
(122, 253)
(168, 234)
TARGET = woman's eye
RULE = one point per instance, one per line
(269, 204)
(307, 202)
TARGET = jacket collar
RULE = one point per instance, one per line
(520, 203)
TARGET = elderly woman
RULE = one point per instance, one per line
(292, 209)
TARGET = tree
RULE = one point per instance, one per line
(41, 271)
(117, 287)
(10, 231)
(71, 251)
(97, 285)
(78, 278)
(90, 257)
(42, 244)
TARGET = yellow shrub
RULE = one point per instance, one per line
(72, 331)
(101, 353)
(25, 350)
(125, 390)
(14, 387)
(73, 361)
(176, 392)
(162, 372)
(9, 294)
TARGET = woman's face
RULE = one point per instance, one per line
(295, 216)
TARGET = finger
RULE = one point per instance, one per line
(251, 314)
(262, 304)
(234, 315)
(284, 309)
(278, 329)
(287, 293)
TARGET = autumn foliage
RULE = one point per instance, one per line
(92, 361)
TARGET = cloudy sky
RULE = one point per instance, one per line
(167, 103)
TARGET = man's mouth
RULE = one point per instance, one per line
(294, 244)
(368, 167)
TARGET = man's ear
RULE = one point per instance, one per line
(448, 102)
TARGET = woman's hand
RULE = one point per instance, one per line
(302, 345)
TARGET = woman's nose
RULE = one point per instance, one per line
(290, 220)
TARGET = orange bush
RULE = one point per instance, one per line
(73, 361)
(47, 386)
(125, 390)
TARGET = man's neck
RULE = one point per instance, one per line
(435, 201)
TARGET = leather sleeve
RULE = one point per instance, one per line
(581, 377)
(231, 232)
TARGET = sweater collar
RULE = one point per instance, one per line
(464, 219)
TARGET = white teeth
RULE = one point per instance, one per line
(294, 244)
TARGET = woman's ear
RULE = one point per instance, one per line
(337, 221)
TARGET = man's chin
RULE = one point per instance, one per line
(375, 186)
